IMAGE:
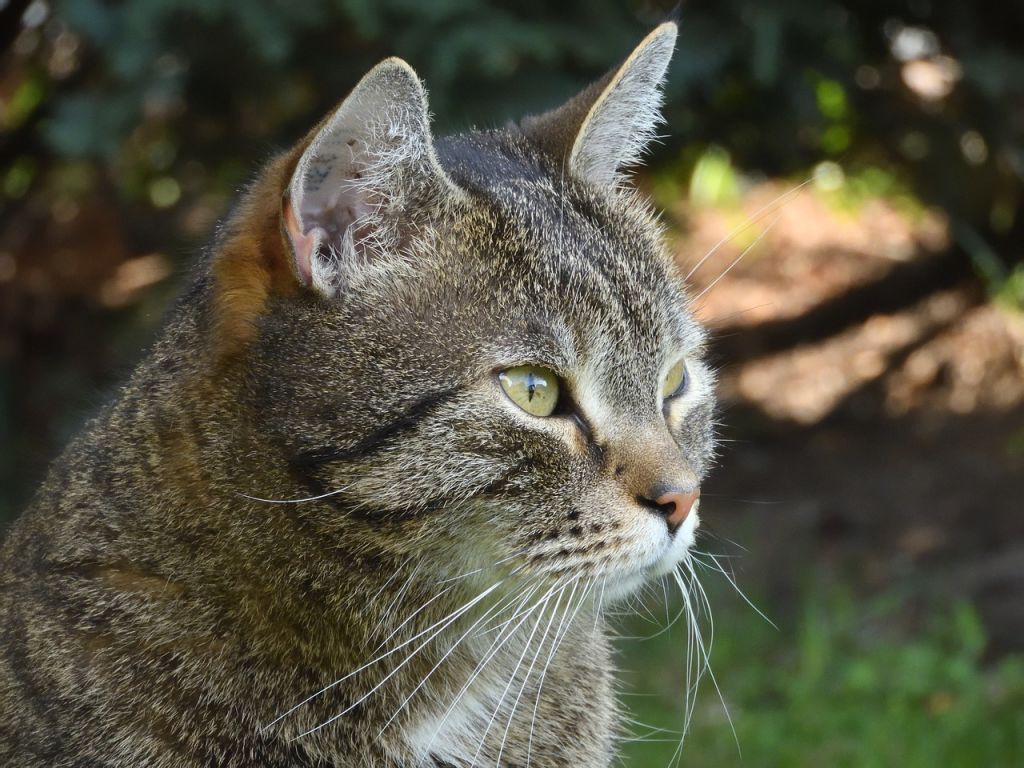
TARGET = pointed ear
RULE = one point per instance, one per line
(365, 170)
(607, 126)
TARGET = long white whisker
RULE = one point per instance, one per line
(649, 727)
(386, 584)
(385, 615)
(567, 619)
(412, 616)
(542, 603)
(739, 258)
(705, 650)
(495, 646)
(756, 216)
(373, 661)
(740, 592)
(490, 611)
(533, 663)
(482, 568)
(664, 597)
(691, 667)
(294, 501)
(453, 618)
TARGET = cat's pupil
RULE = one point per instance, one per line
(531, 387)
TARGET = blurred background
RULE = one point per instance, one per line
(844, 180)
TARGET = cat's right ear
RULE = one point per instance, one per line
(365, 169)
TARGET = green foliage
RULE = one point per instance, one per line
(177, 98)
(714, 180)
(780, 86)
(182, 59)
(26, 98)
(847, 682)
(1010, 292)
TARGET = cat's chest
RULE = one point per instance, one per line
(455, 735)
(514, 713)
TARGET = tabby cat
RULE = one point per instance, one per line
(428, 410)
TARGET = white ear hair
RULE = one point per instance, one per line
(372, 158)
(622, 121)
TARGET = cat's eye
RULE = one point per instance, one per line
(675, 381)
(532, 388)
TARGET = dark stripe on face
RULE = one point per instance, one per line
(499, 485)
(379, 438)
(362, 510)
(304, 465)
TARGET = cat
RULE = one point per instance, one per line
(427, 410)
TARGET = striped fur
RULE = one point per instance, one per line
(292, 479)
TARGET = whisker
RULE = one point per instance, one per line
(741, 500)
(393, 672)
(386, 613)
(498, 606)
(496, 645)
(410, 617)
(543, 602)
(373, 661)
(387, 583)
(738, 259)
(482, 568)
(648, 726)
(705, 650)
(664, 596)
(294, 501)
(740, 592)
(718, 319)
(755, 217)
(727, 540)
(560, 633)
(526, 677)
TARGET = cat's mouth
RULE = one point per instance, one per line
(680, 541)
(641, 550)
(664, 557)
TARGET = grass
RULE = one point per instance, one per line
(843, 682)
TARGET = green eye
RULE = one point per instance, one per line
(532, 388)
(675, 380)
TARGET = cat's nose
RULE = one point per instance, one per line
(674, 504)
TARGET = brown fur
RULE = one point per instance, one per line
(254, 261)
(158, 608)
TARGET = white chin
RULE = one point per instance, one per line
(680, 544)
(674, 551)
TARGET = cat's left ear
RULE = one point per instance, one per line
(607, 126)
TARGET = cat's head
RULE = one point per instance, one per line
(479, 348)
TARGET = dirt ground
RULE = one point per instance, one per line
(872, 407)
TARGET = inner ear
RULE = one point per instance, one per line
(329, 207)
(330, 192)
(303, 245)
(361, 178)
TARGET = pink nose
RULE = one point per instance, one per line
(676, 505)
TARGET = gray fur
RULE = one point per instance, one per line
(159, 608)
